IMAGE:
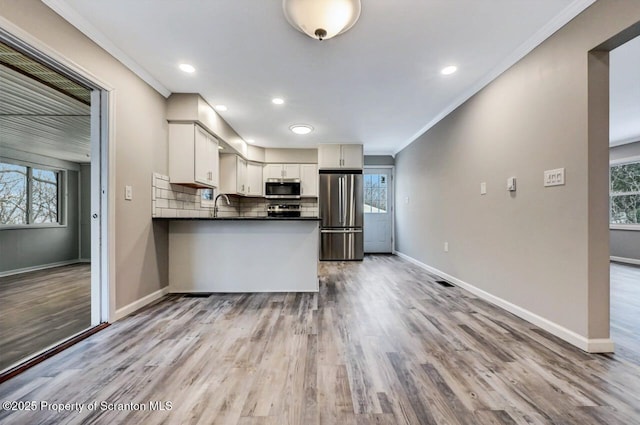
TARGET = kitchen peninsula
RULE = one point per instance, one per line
(243, 254)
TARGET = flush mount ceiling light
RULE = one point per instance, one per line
(250, 141)
(277, 101)
(321, 19)
(221, 108)
(448, 70)
(185, 67)
(301, 128)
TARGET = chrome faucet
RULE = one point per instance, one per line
(215, 203)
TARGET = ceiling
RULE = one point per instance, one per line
(378, 84)
(36, 118)
(624, 95)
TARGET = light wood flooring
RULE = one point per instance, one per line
(41, 308)
(625, 311)
(381, 343)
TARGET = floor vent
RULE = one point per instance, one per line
(444, 283)
(197, 295)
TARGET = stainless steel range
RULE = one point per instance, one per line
(283, 210)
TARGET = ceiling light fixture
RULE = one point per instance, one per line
(321, 19)
(250, 141)
(277, 101)
(185, 67)
(448, 70)
(301, 128)
(221, 108)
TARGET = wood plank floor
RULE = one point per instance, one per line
(41, 308)
(381, 343)
(625, 310)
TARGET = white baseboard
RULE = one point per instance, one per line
(137, 305)
(625, 260)
(598, 345)
(40, 267)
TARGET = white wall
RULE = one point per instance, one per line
(140, 147)
(543, 250)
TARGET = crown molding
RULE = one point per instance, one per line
(560, 20)
(69, 14)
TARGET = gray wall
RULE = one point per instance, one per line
(140, 148)
(544, 250)
(33, 247)
(85, 211)
(372, 160)
(625, 243)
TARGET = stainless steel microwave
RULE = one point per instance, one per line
(282, 189)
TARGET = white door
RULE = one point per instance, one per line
(378, 207)
(254, 179)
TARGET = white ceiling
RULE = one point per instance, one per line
(35, 118)
(624, 95)
(378, 84)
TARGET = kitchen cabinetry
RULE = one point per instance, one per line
(308, 180)
(255, 186)
(281, 171)
(233, 174)
(340, 157)
(193, 156)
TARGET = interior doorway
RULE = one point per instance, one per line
(53, 203)
(624, 198)
(378, 210)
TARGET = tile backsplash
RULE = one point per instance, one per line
(173, 200)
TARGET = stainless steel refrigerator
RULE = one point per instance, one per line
(341, 213)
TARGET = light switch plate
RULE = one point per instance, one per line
(511, 184)
(446, 247)
(128, 193)
(554, 177)
(483, 188)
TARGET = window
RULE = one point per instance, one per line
(624, 192)
(29, 195)
(375, 193)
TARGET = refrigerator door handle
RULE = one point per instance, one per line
(344, 200)
(341, 200)
(341, 231)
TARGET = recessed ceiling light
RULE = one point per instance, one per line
(187, 68)
(250, 141)
(448, 70)
(277, 100)
(301, 128)
(221, 108)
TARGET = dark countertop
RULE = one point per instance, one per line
(241, 218)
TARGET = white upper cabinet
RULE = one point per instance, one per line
(233, 174)
(335, 157)
(255, 185)
(308, 180)
(193, 156)
(281, 171)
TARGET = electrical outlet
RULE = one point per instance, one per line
(128, 193)
(446, 247)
